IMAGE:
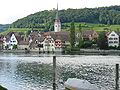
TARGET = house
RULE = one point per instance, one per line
(58, 45)
(48, 44)
(35, 39)
(9, 41)
(89, 35)
(61, 39)
(23, 43)
(113, 39)
(13, 41)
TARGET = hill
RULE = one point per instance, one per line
(45, 19)
(4, 27)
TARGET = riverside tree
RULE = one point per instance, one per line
(72, 35)
(102, 41)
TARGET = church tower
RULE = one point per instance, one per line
(57, 23)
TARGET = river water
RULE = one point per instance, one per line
(34, 72)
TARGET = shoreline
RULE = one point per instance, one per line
(81, 52)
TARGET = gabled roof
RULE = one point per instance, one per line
(87, 33)
(116, 32)
(62, 35)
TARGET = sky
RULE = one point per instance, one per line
(11, 10)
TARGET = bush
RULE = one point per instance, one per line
(14, 46)
(87, 44)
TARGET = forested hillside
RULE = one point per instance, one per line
(45, 19)
(4, 27)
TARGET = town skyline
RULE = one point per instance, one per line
(12, 10)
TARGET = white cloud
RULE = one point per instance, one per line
(11, 10)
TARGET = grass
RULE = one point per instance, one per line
(66, 27)
(96, 27)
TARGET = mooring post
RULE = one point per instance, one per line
(117, 77)
(54, 72)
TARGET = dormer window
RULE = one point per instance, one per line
(112, 34)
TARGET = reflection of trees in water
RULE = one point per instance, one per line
(35, 72)
(102, 75)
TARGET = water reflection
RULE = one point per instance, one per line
(34, 72)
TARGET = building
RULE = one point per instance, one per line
(48, 44)
(113, 39)
(89, 35)
(57, 23)
(13, 41)
(10, 41)
(35, 38)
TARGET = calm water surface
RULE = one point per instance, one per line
(34, 72)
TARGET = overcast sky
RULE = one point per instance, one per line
(11, 10)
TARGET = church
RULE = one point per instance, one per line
(57, 23)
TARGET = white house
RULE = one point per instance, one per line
(48, 44)
(13, 41)
(113, 39)
(9, 41)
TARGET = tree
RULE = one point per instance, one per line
(28, 32)
(14, 46)
(72, 35)
(102, 41)
(80, 36)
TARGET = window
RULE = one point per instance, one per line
(14, 41)
(110, 38)
(115, 42)
(112, 34)
(115, 38)
(110, 42)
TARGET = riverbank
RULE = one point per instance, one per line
(94, 52)
(100, 52)
(80, 52)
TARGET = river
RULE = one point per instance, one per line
(34, 71)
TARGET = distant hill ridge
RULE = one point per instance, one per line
(103, 15)
(4, 27)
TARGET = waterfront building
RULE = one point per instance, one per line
(48, 44)
(113, 39)
(89, 35)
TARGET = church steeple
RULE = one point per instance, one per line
(57, 12)
(57, 23)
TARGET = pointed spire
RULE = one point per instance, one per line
(57, 12)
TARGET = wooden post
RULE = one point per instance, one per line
(117, 77)
(54, 72)
(39, 50)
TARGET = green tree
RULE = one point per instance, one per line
(102, 40)
(72, 35)
(14, 46)
(80, 36)
(28, 32)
